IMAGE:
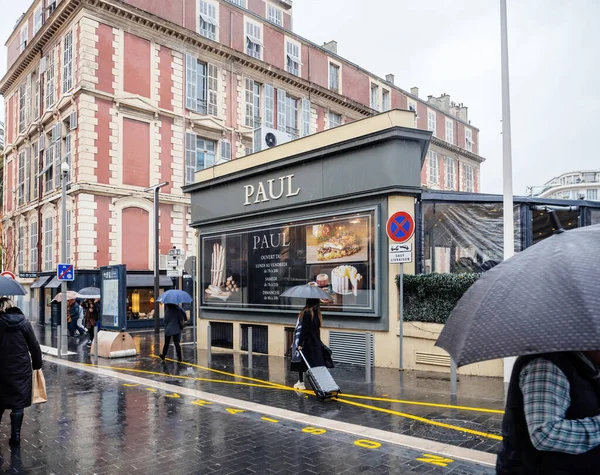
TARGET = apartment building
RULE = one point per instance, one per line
(131, 93)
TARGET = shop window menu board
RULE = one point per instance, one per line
(252, 268)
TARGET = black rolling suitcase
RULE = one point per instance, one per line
(321, 381)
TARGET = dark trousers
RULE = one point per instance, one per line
(73, 325)
(301, 376)
(176, 340)
(91, 333)
(14, 411)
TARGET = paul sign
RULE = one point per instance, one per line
(271, 191)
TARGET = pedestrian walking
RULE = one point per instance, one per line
(74, 314)
(92, 316)
(552, 420)
(307, 338)
(174, 321)
(19, 353)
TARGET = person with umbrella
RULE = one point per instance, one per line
(175, 318)
(542, 305)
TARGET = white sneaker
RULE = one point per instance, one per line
(299, 385)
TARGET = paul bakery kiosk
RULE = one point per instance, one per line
(309, 211)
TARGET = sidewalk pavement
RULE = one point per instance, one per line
(410, 403)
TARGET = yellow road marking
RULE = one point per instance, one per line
(234, 411)
(200, 402)
(130, 385)
(174, 395)
(268, 419)
(313, 430)
(435, 460)
(367, 444)
(422, 419)
(152, 390)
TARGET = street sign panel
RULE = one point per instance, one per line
(173, 273)
(400, 227)
(65, 272)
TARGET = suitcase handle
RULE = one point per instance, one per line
(304, 358)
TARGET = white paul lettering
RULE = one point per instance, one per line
(267, 241)
(272, 191)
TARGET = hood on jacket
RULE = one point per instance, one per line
(12, 320)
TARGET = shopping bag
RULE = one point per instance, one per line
(39, 387)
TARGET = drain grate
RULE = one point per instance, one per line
(442, 434)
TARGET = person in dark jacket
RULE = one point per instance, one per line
(75, 312)
(552, 421)
(308, 340)
(174, 320)
(92, 312)
(19, 352)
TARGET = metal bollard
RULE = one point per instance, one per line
(209, 344)
(250, 347)
(452, 377)
(368, 359)
(96, 342)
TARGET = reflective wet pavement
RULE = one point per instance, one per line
(397, 408)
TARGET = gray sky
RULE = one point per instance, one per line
(453, 47)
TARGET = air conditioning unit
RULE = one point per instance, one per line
(266, 137)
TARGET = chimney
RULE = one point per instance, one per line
(331, 46)
(414, 91)
(389, 78)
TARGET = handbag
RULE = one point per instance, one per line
(39, 387)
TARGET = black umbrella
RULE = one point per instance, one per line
(305, 292)
(10, 286)
(545, 299)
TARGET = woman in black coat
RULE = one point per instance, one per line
(19, 351)
(308, 339)
(174, 319)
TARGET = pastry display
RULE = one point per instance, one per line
(342, 244)
(321, 231)
(345, 280)
(322, 280)
(215, 289)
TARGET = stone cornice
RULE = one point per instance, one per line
(456, 149)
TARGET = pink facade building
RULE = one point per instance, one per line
(132, 93)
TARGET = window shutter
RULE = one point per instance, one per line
(72, 120)
(225, 150)
(190, 157)
(281, 110)
(42, 142)
(191, 78)
(28, 100)
(213, 89)
(27, 175)
(305, 117)
(250, 103)
(269, 106)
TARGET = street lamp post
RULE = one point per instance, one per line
(156, 189)
(62, 326)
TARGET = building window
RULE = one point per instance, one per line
(68, 62)
(334, 77)
(589, 177)
(200, 154)
(225, 146)
(385, 100)
(269, 106)
(22, 106)
(21, 263)
(335, 120)
(305, 117)
(35, 81)
(239, 3)
(374, 97)
(33, 246)
(49, 79)
(252, 104)
(469, 179)
(38, 19)
(21, 179)
(207, 20)
(274, 15)
(35, 158)
(434, 171)
(468, 140)
(48, 244)
(23, 38)
(201, 86)
(449, 131)
(592, 194)
(253, 40)
(68, 154)
(450, 182)
(292, 58)
(291, 116)
(431, 121)
(412, 106)
(56, 136)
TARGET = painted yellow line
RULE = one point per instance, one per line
(423, 419)
(268, 419)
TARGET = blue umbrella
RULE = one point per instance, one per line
(175, 296)
(9, 286)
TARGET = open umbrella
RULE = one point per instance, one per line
(305, 292)
(89, 293)
(10, 286)
(545, 299)
(71, 295)
(175, 296)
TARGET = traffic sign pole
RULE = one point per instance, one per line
(401, 304)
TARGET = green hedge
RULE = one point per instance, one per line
(431, 297)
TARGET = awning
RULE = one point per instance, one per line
(40, 282)
(54, 283)
(147, 280)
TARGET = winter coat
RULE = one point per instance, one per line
(174, 318)
(17, 343)
(310, 341)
